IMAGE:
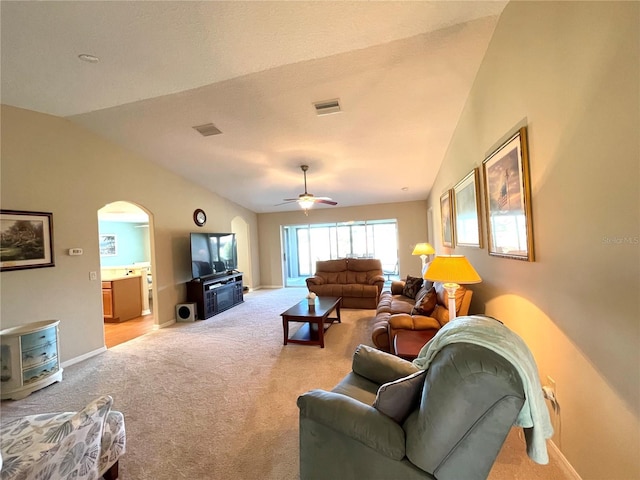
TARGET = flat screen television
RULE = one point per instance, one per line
(213, 253)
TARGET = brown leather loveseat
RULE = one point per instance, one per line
(358, 281)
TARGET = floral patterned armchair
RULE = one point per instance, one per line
(61, 446)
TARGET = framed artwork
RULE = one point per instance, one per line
(508, 199)
(446, 219)
(466, 210)
(108, 245)
(26, 240)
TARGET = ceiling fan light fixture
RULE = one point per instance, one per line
(306, 200)
(306, 203)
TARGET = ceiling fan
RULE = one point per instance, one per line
(306, 200)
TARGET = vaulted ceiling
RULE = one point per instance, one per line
(401, 71)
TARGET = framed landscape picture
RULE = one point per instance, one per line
(508, 199)
(466, 210)
(26, 240)
(446, 218)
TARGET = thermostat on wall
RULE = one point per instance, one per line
(75, 251)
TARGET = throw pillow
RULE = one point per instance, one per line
(426, 304)
(423, 291)
(398, 399)
(411, 286)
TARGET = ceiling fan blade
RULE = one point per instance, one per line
(328, 202)
(306, 199)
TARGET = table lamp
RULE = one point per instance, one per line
(423, 249)
(451, 270)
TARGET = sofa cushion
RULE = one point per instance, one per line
(424, 305)
(441, 314)
(400, 305)
(338, 278)
(359, 291)
(364, 265)
(374, 365)
(443, 298)
(396, 287)
(422, 292)
(398, 399)
(395, 304)
(384, 302)
(358, 277)
(411, 286)
(334, 266)
(426, 286)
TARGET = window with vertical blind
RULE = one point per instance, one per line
(305, 244)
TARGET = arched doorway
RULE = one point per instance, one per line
(127, 271)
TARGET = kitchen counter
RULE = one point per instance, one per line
(121, 298)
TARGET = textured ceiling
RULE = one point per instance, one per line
(402, 72)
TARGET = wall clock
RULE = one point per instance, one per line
(199, 217)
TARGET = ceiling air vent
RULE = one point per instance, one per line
(327, 107)
(207, 130)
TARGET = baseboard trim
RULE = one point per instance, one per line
(564, 462)
(80, 358)
(165, 324)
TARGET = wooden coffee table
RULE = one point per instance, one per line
(316, 320)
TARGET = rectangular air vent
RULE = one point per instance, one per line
(327, 107)
(207, 130)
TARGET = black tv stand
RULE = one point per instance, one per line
(215, 293)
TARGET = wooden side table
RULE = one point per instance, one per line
(408, 343)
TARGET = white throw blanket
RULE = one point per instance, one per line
(490, 333)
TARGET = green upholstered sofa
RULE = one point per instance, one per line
(466, 405)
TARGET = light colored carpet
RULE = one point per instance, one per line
(216, 399)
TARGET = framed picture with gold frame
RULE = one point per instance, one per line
(507, 193)
(466, 211)
(448, 234)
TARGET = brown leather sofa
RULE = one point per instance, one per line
(395, 312)
(358, 281)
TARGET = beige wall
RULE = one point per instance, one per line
(50, 165)
(412, 229)
(570, 71)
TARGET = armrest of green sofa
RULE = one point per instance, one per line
(354, 419)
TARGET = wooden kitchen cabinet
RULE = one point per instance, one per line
(121, 298)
